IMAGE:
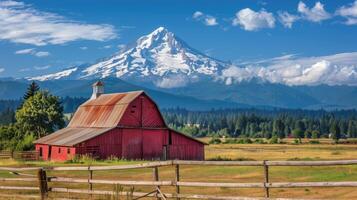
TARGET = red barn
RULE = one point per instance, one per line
(125, 125)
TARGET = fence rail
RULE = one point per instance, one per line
(20, 155)
(44, 189)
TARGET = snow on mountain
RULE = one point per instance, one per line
(162, 59)
(159, 57)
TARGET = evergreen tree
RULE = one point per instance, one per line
(31, 90)
(335, 131)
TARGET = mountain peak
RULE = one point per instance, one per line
(161, 29)
(159, 58)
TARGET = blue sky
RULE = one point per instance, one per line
(39, 37)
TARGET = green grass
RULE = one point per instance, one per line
(308, 152)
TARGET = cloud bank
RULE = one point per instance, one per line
(20, 23)
(338, 69)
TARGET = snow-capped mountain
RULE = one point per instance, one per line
(159, 57)
(162, 60)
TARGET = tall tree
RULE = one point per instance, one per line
(41, 114)
(31, 90)
(335, 131)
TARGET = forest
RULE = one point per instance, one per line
(259, 123)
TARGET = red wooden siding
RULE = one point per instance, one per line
(57, 153)
(142, 112)
(43, 150)
(153, 144)
(185, 148)
(103, 146)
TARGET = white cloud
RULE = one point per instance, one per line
(250, 20)
(314, 14)
(83, 48)
(2, 70)
(338, 69)
(287, 19)
(107, 47)
(33, 52)
(172, 82)
(42, 67)
(20, 23)
(197, 14)
(349, 12)
(24, 70)
(42, 54)
(25, 51)
(208, 20)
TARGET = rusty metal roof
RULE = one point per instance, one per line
(104, 111)
(71, 136)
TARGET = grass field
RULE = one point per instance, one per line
(324, 151)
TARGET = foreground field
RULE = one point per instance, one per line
(230, 174)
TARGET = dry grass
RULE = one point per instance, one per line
(323, 151)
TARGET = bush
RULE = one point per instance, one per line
(215, 140)
(260, 141)
(274, 140)
(297, 141)
(314, 142)
(26, 144)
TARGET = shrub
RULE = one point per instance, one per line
(314, 142)
(215, 140)
(260, 141)
(274, 140)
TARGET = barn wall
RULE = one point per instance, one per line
(59, 153)
(142, 112)
(153, 143)
(185, 148)
(103, 146)
(44, 148)
(151, 114)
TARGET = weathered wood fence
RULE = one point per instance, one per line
(266, 184)
(20, 155)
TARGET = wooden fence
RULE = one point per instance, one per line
(20, 155)
(266, 184)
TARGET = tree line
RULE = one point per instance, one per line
(268, 123)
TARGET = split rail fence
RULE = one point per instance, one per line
(20, 155)
(44, 180)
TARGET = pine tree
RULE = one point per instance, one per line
(31, 90)
(336, 132)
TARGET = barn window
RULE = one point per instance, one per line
(134, 106)
(69, 151)
(40, 151)
(59, 150)
(132, 111)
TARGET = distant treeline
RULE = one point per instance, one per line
(260, 123)
(8, 107)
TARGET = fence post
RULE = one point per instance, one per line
(156, 178)
(266, 178)
(42, 180)
(177, 179)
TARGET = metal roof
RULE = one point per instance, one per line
(104, 111)
(71, 136)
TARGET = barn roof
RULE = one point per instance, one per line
(104, 111)
(71, 136)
